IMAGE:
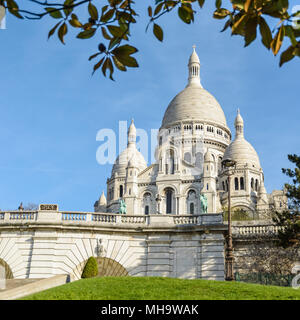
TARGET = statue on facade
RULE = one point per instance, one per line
(203, 201)
(123, 207)
(21, 207)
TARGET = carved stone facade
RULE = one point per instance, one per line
(192, 142)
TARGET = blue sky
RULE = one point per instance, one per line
(51, 108)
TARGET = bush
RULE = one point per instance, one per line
(90, 269)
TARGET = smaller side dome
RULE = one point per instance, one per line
(131, 152)
(102, 200)
(240, 149)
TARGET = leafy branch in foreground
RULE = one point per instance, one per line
(112, 20)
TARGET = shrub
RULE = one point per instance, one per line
(90, 269)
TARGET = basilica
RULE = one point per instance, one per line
(192, 142)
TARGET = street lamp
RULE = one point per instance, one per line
(227, 164)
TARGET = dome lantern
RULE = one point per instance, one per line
(131, 134)
(194, 69)
(239, 125)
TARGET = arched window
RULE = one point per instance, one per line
(256, 185)
(147, 202)
(242, 185)
(169, 196)
(121, 191)
(192, 208)
(236, 183)
(252, 184)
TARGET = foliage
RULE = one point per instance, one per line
(91, 268)
(237, 214)
(155, 288)
(112, 21)
(265, 278)
(31, 206)
(289, 220)
(270, 259)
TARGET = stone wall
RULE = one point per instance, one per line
(40, 245)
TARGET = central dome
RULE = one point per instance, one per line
(194, 103)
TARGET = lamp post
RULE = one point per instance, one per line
(227, 164)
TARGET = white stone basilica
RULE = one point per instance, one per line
(192, 141)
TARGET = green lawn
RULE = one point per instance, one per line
(155, 288)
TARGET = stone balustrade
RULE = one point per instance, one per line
(254, 228)
(239, 229)
(97, 219)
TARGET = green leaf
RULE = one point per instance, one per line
(238, 26)
(108, 15)
(266, 35)
(51, 32)
(289, 31)
(62, 31)
(115, 31)
(221, 13)
(54, 13)
(158, 8)
(247, 5)
(226, 25)
(218, 4)
(277, 41)
(86, 34)
(98, 65)
(67, 10)
(105, 66)
(287, 55)
(93, 11)
(128, 61)
(13, 8)
(105, 34)
(250, 30)
(124, 50)
(118, 64)
(111, 69)
(74, 22)
(158, 32)
(94, 55)
(113, 42)
(184, 15)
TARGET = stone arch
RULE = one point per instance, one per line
(191, 202)
(190, 187)
(110, 268)
(162, 188)
(8, 271)
(107, 267)
(11, 255)
(148, 202)
(169, 201)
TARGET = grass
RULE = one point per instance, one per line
(156, 288)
